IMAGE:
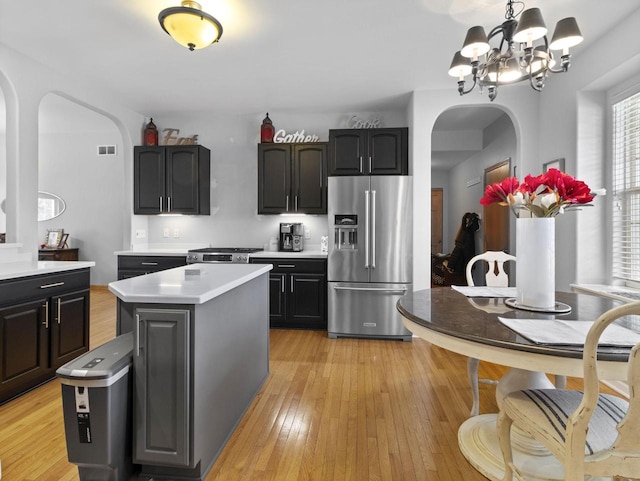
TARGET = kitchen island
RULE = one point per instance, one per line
(201, 353)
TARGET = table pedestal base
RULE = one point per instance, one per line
(478, 441)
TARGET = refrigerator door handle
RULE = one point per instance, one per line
(366, 229)
(373, 229)
(400, 290)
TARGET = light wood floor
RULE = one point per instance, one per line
(341, 409)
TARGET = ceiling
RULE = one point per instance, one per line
(284, 55)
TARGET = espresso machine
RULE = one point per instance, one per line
(291, 236)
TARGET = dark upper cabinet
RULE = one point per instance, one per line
(369, 151)
(171, 179)
(292, 178)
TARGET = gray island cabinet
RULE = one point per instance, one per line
(201, 353)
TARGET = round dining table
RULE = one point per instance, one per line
(470, 326)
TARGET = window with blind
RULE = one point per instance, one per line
(626, 189)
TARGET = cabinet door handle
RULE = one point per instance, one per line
(360, 169)
(291, 284)
(148, 263)
(160, 203)
(168, 204)
(282, 283)
(55, 284)
(369, 165)
(46, 315)
(286, 266)
(137, 335)
(287, 206)
(59, 304)
(296, 199)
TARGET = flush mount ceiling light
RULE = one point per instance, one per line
(516, 58)
(190, 26)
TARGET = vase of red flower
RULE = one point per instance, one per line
(536, 202)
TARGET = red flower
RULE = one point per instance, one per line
(570, 190)
(545, 195)
(500, 191)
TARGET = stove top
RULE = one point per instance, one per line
(235, 255)
(228, 250)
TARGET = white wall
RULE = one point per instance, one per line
(24, 84)
(572, 114)
(92, 188)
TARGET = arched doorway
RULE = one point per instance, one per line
(466, 142)
(74, 164)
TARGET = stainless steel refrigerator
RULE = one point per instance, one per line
(370, 255)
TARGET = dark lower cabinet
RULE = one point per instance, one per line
(44, 323)
(69, 329)
(297, 292)
(25, 351)
(162, 394)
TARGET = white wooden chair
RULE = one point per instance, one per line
(494, 277)
(590, 433)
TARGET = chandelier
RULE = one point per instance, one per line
(523, 52)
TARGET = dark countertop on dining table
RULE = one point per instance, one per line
(449, 312)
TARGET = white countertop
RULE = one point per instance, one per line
(166, 251)
(193, 284)
(310, 254)
(12, 270)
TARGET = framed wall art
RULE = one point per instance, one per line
(554, 164)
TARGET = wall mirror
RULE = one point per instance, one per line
(50, 206)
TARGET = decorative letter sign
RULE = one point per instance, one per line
(282, 137)
(170, 139)
(358, 123)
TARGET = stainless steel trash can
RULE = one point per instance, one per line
(96, 402)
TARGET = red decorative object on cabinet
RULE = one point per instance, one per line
(150, 136)
(267, 130)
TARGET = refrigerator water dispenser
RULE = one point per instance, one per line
(346, 232)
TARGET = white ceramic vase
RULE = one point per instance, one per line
(535, 265)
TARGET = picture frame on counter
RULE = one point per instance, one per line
(54, 236)
(63, 241)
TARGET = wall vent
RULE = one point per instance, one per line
(474, 181)
(106, 150)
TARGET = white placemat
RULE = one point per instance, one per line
(483, 291)
(569, 333)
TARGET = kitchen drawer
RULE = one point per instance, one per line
(47, 285)
(151, 263)
(299, 266)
